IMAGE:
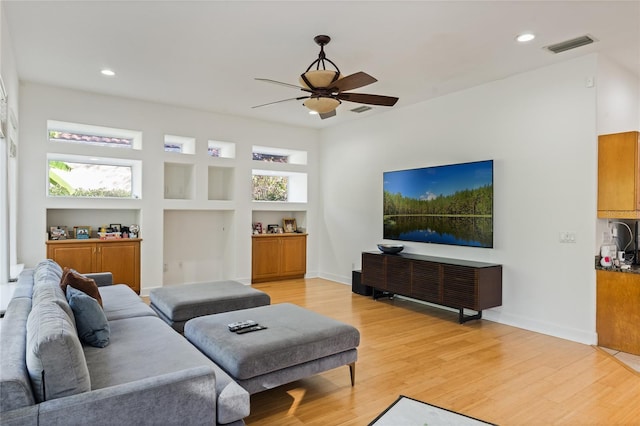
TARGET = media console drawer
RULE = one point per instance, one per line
(458, 284)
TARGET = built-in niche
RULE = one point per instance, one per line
(179, 181)
(94, 218)
(198, 246)
(269, 217)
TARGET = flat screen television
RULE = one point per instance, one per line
(451, 204)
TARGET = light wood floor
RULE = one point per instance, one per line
(487, 370)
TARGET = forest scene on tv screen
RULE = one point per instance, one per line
(450, 204)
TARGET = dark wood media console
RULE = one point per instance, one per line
(454, 283)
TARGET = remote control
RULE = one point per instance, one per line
(239, 325)
(250, 329)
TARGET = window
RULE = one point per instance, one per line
(271, 158)
(59, 131)
(270, 188)
(279, 155)
(268, 185)
(221, 149)
(76, 176)
(179, 144)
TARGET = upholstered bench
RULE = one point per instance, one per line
(178, 304)
(297, 343)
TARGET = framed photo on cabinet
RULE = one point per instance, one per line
(58, 233)
(82, 232)
(289, 225)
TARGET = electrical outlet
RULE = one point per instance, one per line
(567, 237)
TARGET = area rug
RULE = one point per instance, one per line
(411, 412)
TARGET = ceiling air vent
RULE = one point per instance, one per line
(570, 44)
(361, 108)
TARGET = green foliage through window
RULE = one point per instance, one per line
(69, 179)
(270, 188)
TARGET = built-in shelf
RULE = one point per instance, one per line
(270, 217)
(179, 181)
(95, 218)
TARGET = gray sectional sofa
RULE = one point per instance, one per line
(147, 374)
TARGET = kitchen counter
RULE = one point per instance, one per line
(635, 269)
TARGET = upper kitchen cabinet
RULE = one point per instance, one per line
(619, 176)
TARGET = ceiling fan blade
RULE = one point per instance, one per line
(283, 100)
(328, 114)
(363, 98)
(280, 83)
(353, 81)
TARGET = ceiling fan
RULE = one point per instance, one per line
(327, 88)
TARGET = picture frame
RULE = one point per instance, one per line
(257, 228)
(82, 232)
(115, 227)
(289, 225)
(58, 233)
(272, 229)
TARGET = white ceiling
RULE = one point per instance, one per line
(206, 54)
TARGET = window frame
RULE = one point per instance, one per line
(135, 165)
(93, 130)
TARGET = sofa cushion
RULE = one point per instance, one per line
(15, 386)
(146, 347)
(80, 282)
(55, 359)
(119, 302)
(52, 293)
(91, 322)
(47, 270)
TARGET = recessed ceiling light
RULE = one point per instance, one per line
(107, 72)
(312, 112)
(525, 37)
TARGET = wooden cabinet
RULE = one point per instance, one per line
(278, 257)
(454, 283)
(120, 257)
(619, 176)
(618, 311)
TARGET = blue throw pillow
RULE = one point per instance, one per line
(91, 322)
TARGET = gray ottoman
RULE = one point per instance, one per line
(178, 304)
(297, 343)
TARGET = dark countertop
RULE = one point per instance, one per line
(635, 269)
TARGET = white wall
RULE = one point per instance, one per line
(40, 103)
(8, 165)
(618, 98)
(540, 129)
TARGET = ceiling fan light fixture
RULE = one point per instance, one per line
(319, 78)
(321, 105)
